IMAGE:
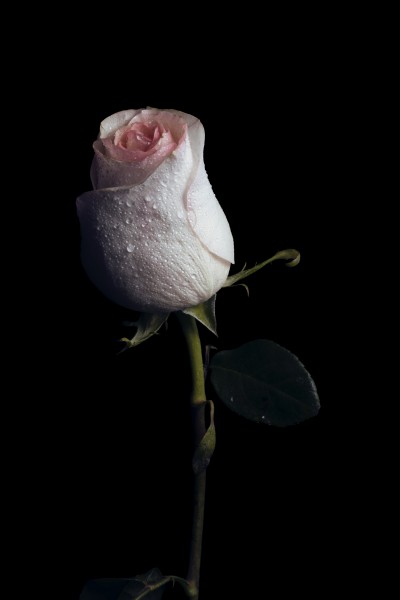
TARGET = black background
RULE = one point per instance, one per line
(114, 449)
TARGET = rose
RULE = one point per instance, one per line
(154, 237)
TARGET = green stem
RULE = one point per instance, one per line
(191, 334)
(198, 404)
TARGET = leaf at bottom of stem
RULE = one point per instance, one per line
(149, 586)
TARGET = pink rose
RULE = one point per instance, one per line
(154, 237)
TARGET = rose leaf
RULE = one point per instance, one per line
(264, 383)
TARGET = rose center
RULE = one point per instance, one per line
(141, 136)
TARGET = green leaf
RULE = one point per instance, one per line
(205, 450)
(150, 586)
(145, 586)
(147, 325)
(265, 383)
(205, 313)
(293, 256)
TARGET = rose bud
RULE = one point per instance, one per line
(154, 237)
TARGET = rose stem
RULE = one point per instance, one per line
(198, 404)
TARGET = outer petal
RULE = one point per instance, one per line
(115, 121)
(138, 246)
(206, 216)
(189, 119)
(107, 172)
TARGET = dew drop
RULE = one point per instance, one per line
(154, 205)
(231, 398)
(143, 224)
(129, 203)
(180, 214)
(130, 248)
(128, 221)
(147, 199)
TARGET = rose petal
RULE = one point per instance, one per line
(175, 123)
(189, 119)
(152, 133)
(107, 172)
(205, 213)
(162, 148)
(115, 121)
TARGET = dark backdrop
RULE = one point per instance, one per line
(116, 458)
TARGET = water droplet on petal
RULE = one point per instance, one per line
(147, 199)
(130, 248)
(129, 202)
(128, 221)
